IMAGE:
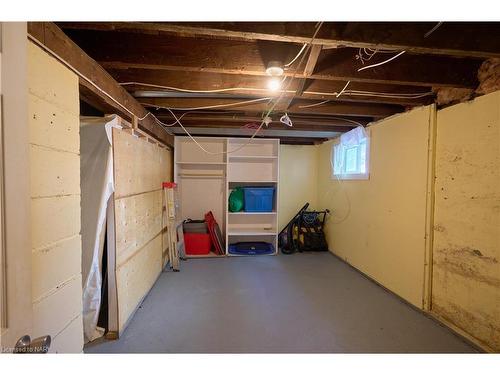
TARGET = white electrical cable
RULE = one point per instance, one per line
(366, 93)
(342, 91)
(388, 95)
(177, 120)
(341, 184)
(211, 106)
(381, 63)
(314, 104)
(433, 29)
(78, 73)
(196, 91)
(168, 125)
(297, 56)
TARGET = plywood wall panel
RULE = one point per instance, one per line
(135, 278)
(466, 256)
(137, 164)
(51, 81)
(53, 104)
(53, 172)
(67, 299)
(47, 269)
(139, 168)
(52, 126)
(70, 339)
(138, 219)
(54, 219)
(378, 225)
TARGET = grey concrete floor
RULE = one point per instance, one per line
(302, 303)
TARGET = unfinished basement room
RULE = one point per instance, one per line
(250, 187)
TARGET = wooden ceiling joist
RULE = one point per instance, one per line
(240, 121)
(253, 87)
(97, 82)
(297, 107)
(250, 58)
(308, 70)
(192, 65)
(452, 38)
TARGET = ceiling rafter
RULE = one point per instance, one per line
(186, 65)
(385, 35)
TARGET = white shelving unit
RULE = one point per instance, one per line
(206, 180)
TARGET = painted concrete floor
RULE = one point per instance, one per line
(302, 303)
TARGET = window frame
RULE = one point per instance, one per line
(351, 176)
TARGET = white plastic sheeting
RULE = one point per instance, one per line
(351, 155)
(96, 176)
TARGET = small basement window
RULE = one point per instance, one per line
(350, 156)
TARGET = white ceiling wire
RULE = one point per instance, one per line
(381, 63)
(177, 120)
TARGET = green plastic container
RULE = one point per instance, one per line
(236, 200)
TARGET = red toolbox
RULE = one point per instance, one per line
(197, 243)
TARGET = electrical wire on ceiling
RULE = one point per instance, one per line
(179, 89)
(318, 24)
(314, 104)
(296, 57)
(343, 90)
(211, 106)
(428, 33)
(382, 62)
(177, 120)
(388, 95)
(84, 77)
(366, 54)
(369, 93)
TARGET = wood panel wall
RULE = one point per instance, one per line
(466, 256)
(53, 106)
(140, 167)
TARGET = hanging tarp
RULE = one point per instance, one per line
(96, 184)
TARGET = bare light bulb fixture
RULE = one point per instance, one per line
(274, 84)
(274, 70)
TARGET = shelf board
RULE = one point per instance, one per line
(200, 162)
(251, 232)
(252, 213)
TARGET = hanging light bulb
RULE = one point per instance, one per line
(274, 84)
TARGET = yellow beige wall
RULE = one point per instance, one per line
(53, 106)
(378, 225)
(466, 256)
(298, 180)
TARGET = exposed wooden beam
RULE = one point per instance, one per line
(249, 58)
(308, 70)
(461, 39)
(50, 37)
(332, 108)
(253, 87)
(407, 69)
(336, 125)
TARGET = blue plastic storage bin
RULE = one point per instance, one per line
(259, 199)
